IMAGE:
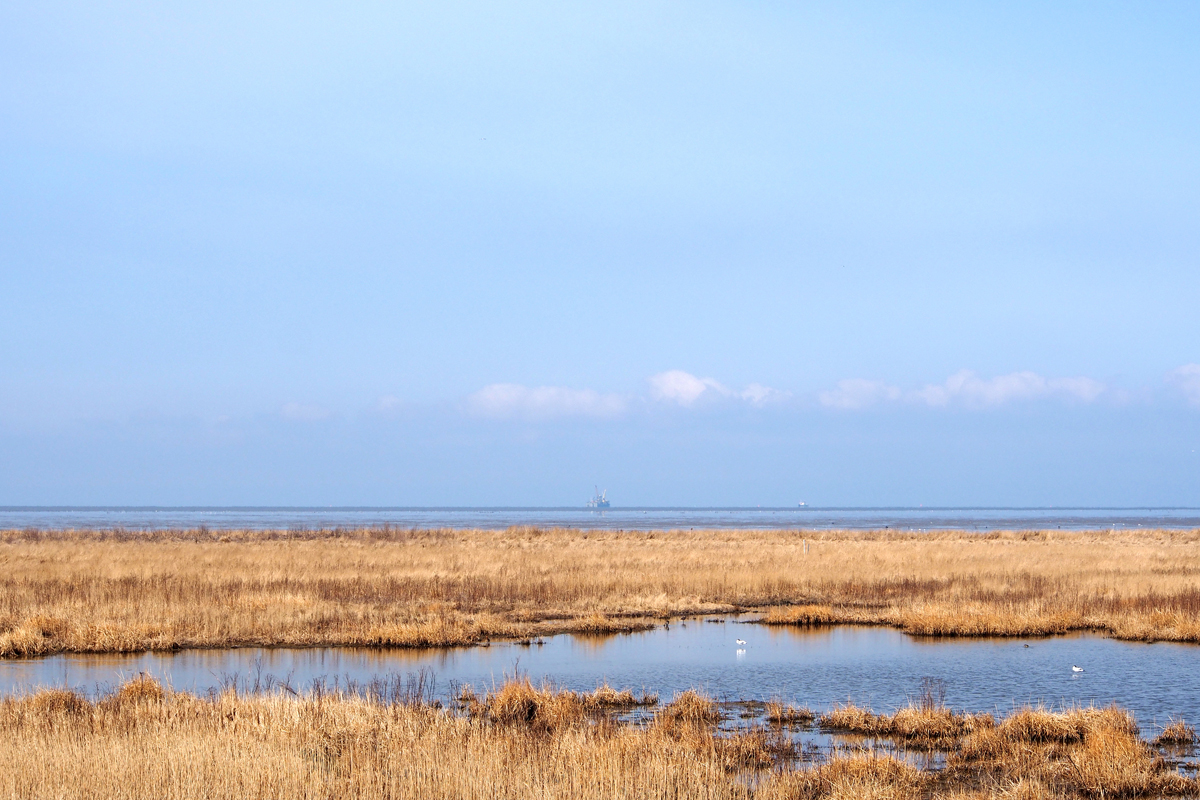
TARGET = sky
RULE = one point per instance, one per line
(456, 253)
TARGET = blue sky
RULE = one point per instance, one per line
(703, 253)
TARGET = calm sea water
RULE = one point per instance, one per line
(613, 519)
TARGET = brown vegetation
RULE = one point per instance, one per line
(913, 724)
(1091, 752)
(519, 702)
(113, 591)
(851, 777)
(520, 742)
(781, 714)
(689, 709)
(1177, 732)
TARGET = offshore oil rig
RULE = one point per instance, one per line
(600, 500)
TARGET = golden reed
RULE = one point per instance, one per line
(519, 741)
(113, 591)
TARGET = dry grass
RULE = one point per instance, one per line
(689, 709)
(779, 713)
(1175, 733)
(922, 726)
(105, 591)
(853, 777)
(518, 702)
(806, 615)
(1088, 752)
(132, 746)
(144, 742)
(606, 697)
(691, 720)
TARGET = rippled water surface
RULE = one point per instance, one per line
(879, 667)
(610, 519)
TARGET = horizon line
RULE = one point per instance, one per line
(68, 508)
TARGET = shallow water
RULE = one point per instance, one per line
(878, 667)
(611, 519)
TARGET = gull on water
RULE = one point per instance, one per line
(1076, 669)
(741, 641)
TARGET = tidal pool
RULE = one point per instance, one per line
(814, 667)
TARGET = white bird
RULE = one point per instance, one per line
(741, 641)
(1076, 669)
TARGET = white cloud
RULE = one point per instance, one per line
(674, 386)
(969, 389)
(677, 386)
(1083, 389)
(510, 399)
(300, 412)
(680, 387)
(858, 393)
(758, 395)
(1187, 379)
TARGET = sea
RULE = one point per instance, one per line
(918, 518)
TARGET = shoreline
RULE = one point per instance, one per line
(635, 625)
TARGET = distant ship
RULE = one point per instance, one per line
(600, 500)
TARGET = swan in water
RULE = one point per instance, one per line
(1076, 669)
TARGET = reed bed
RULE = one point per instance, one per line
(1091, 752)
(119, 591)
(781, 713)
(144, 741)
(519, 702)
(928, 727)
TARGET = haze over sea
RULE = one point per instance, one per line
(290, 518)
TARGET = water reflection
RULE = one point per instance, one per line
(814, 667)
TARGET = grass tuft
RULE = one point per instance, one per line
(1176, 732)
(58, 702)
(518, 702)
(916, 724)
(686, 713)
(142, 689)
(781, 714)
(606, 697)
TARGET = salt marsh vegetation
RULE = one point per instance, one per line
(520, 741)
(118, 591)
